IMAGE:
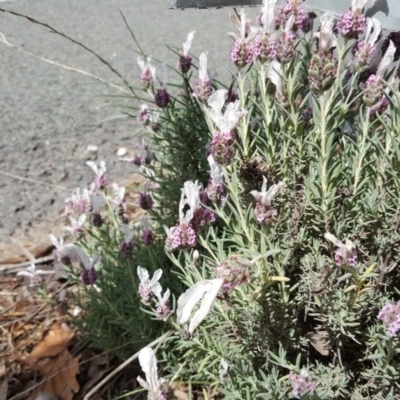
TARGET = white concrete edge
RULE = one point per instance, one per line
(387, 11)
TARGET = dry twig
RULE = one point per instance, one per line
(124, 364)
(101, 59)
(79, 71)
(33, 180)
(13, 268)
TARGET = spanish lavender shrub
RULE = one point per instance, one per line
(277, 270)
(306, 250)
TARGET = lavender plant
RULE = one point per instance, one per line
(305, 253)
(275, 217)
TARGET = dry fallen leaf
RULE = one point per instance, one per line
(59, 376)
(52, 360)
(53, 343)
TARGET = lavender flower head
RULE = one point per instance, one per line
(89, 274)
(137, 160)
(292, 8)
(97, 201)
(352, 22)
(100, 181)
(183, 235)
(374, 89)
(78, 203)
(148, 286)
(346, 253)
(147, 234)
(154, 116)
(118, 199)
(148, 75)
(203, 217)
(77, 226)
(323, 64)
(326, 38)
(203, 87)
(161, 96)
(143, 115)
(163, 305)
(366, 49)
(126, 246)
(148, 363)
(263, 211)
(145, 200)
(185, 60)
(60, 251)
(301, 383)
(242, 51)
(264, 47)
(34, 275)
(215, 189)
(390, 315)
(234, 271)
(285, 45)
(223, 146)
(190, 197)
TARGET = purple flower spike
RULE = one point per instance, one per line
(148, 74)
(89, 276)
(161, 98)
(203, 217)
(223, 147)
(100, 181)
(126, 248)
(145, 201)
(345, 253)
(235, 271)
(185, 60)
(264, 48)
(264, 214)
(301, 383)
(183, 236)
(148, 158)
(147, 286)
(263, 211)
(148, 237)
(184, 63)
(351, 24)
(203, 88)
(137, 160)
(242, 50)
(390, 315)
(241, 53)
(97, 220)
(143, 116)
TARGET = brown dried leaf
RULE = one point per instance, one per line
(53, 343)
(59, 376)
(51, 359)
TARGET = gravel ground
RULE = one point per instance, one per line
(48, 115)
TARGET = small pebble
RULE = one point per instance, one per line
(121, 151)
(92, 149)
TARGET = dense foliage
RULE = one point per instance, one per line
(280, 197)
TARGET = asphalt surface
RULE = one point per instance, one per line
(49, 115)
